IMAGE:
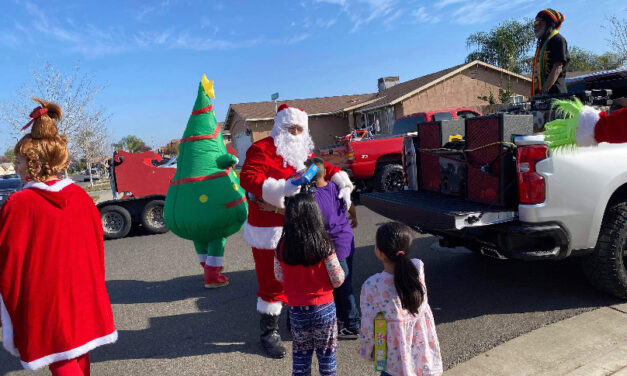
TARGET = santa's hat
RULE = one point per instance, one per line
(287, 116)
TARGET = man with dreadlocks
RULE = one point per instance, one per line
(551, 59)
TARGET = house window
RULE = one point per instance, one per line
(517, 99)
(374, 121)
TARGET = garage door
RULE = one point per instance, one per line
(242, 143)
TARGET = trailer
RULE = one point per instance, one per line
(139, 185)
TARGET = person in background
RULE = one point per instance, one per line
(551, 59)
(400, 293)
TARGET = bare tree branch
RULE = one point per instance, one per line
(84, 124)
(618, 37)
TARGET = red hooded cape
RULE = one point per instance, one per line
(53, 300)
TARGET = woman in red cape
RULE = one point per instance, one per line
(53, 300)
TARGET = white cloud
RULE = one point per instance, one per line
(477, 12)
(206, 23)
(325, 24)
(362, 12)
(421, 15)
(443, 3)
(143, 13)
(9, 39)
(92, 41)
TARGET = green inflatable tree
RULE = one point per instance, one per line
(205, 202)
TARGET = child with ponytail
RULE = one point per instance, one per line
(54, 306)
(400, 294)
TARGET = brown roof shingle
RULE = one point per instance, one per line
(316, 106)
(312, 106)
(397, 91)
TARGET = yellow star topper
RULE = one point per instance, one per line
(208, 86)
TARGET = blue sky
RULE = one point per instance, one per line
(152, 54)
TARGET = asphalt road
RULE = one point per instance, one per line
(170, 325)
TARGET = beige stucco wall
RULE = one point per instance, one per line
(462, 90)
(323, 128)
(260, 129)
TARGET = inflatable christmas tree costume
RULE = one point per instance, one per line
(205, 202)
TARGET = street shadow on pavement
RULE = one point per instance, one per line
(227, 321)
(464, 285)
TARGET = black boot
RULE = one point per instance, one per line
(270, 337)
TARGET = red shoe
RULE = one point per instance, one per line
(202, 264)
(213, 278)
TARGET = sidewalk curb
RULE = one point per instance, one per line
(593, 343)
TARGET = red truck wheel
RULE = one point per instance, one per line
(152, 217)
(116, 221)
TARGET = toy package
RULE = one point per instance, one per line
(304, 176)
(380, 342)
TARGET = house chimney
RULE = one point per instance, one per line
(385, 83)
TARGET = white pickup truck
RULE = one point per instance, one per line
(575, 205)
(569, 203)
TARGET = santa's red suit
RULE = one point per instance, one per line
(53, 297)
(265, 175)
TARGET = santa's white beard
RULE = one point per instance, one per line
(293, 149)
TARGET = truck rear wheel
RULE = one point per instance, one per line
(152, 217)
(116, 221)
(389, 178)
(606, 267)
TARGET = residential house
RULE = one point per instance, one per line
(328, 117)
(463, 85)
(7, 168)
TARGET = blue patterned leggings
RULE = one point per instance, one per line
(314, 328)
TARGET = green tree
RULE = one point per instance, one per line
(508, 45)
(172, 148)
(586, 61)
(132, 144)
(8, 155)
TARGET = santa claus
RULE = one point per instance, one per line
(266, 173)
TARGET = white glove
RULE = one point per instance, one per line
(290, 189)
(345, 194)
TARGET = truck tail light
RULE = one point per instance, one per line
(350, 153)
(531, 185)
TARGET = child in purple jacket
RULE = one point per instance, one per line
(339, 229)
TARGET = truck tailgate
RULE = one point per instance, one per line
(434, 211)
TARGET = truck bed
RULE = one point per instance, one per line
(434, 211)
